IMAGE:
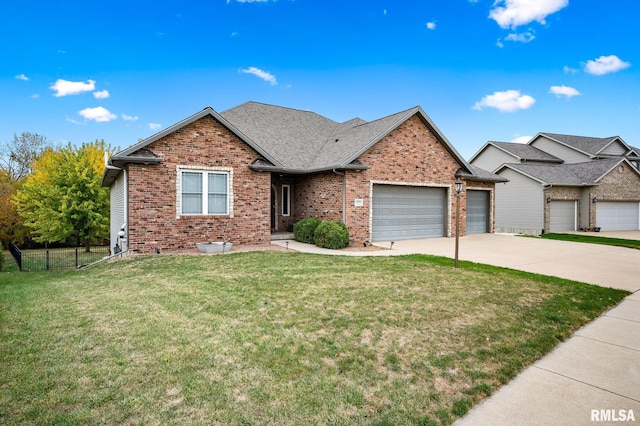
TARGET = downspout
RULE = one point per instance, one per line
(126, 206)
(344, 195)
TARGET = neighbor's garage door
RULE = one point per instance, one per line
(406, 212)
(563, 216)
(477, 212)
(617, 215)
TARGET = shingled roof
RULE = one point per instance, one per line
(578, 174)
(295, 141)
(305, 142)
(589, 145)
(525, 153)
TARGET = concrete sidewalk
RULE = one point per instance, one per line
(595, 374)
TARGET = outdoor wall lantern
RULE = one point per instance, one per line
(458, 188)
(595, 200)
(548, 200)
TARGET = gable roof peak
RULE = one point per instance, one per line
(586, 144)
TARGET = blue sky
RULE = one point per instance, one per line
(482, 69)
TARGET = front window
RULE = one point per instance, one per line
(286, 200)
(204, 192)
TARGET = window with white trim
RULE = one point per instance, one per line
(286, 200)
(204, 192)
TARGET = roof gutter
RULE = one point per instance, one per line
(292, 171)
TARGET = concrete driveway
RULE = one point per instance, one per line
(591, 263)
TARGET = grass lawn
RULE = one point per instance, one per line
(619, 242)
(275, 338)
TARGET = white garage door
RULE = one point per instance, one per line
(407, 212)
(563, 216)
(477, 212)
(618, 215)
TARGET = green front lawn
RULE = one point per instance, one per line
(618, 242)
(275, 338)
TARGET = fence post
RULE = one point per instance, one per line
(16, 253)
(76, 257)
(46, 247)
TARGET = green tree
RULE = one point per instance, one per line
(62, 200)
(11, 224)
(16, 159)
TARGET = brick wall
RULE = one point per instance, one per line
(410, 154)
(153, 220)
(320, 196)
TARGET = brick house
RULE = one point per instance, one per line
(560, 183)
(256, 169)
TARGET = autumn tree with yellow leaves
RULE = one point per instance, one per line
(62, 200)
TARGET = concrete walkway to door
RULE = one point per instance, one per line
(593, 375)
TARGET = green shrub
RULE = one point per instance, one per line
(331, 234)
(304, 229)
(1, 256)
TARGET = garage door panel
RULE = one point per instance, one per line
(406, 212)
(618, 215)
(477, 212)
(562, 216)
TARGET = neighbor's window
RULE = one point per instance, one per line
(205, 192)
(286, 200)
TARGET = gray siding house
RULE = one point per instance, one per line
(559, 183)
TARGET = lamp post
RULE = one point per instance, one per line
(458, 188)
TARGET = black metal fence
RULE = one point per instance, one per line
(59, 258)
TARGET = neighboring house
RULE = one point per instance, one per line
(256, 169)
(561, 183)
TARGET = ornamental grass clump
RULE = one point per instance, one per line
(331, 234)
(304, 229)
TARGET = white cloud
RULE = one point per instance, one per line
(126, 117)
(431, 25)
(64, 87)
(568, 70)
(98, 114)
(522, 37)
(521, 139)
(514, 13)
(605, 65)
(35, 96)
(22, 77)
(154, 126)
(102, 94)
(564, 91)
(264, 75)
(507, 101)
